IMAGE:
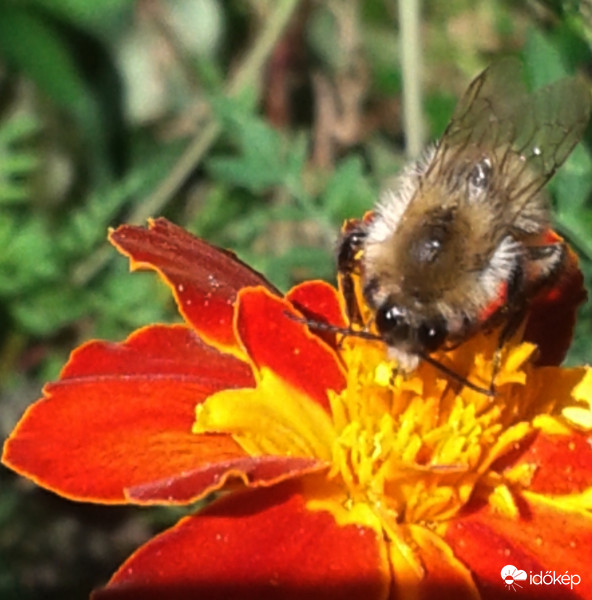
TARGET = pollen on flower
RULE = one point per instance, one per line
(400, 451)
(502, 501)
(579, 417)
(521, 475)
(383, 374)
(416, 449)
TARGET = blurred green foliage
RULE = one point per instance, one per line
(118, 110)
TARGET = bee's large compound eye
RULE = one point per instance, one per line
(431, 334)
(392, 323)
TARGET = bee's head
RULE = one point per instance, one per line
(414, 334)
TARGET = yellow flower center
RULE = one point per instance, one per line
(416, 447)
(406, 454)
(406, 451)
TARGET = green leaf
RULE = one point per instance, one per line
(543, 60)
(28, 257)
(84, 13)
(86, 227)
(439, 107)
(17, 163)
(40, 49)
(260, 162)
(383, 50)
(572, 184)
(295, 164)
(349, 192)
(35, 47)
(300, 263)
(222, 205)
(146, 300)
(18, 128)
(49, 309)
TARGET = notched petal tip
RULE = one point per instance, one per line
(204, 279)
(134, 423)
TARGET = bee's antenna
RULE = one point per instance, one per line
(459, 378)
(329, 327)
(367, 335)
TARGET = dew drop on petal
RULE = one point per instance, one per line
(214, 283)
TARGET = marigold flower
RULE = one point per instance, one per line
(339, 479)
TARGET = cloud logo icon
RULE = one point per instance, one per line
(511, 575)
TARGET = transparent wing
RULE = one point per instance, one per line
(527, 135)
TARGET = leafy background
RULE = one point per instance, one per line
(258, 136)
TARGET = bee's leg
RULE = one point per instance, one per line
(352, 310)
(541, 268)
(348, 264)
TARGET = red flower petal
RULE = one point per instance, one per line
(159, 350)
(275, 341)
(444, 576)
(564, 463)
(262, 544)
(204, 279)
(252, 471)
(545, 539)
(319, 302)
(122, 415)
